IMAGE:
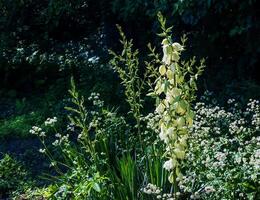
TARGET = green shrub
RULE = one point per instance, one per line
(81, 169)
(18, 126)
(12, 175)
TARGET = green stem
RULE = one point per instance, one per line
(50, 157)
(175, 188)
(138, 121)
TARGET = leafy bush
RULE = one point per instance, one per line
(12, 175)
(85, 152)
(18, 126)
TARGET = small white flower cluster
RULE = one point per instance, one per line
(35, 130)
(96, 119)
(50, 121)
(95, 98)
(101, 37)
(224, 150)
(220, 157)
(204, 190)
(231, 101)
(196, 195)
(167, 196)
(209, 189)
(236, 127)
(151, 189)
(150, 135)
(61, 139)
(71, 127)
(152, 121)
(43, 151)
(254, 108)
(95, 122)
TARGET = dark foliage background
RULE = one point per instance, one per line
(45, 42)
(225, 32)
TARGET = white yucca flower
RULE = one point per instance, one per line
(169, 164)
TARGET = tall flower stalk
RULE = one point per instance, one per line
(126, 65)
(174, 90)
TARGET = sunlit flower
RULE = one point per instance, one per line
(169, 164)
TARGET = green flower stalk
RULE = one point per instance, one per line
(126, 65)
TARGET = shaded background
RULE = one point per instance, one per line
(224, 31)
(45, 42)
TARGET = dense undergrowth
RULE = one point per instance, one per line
(168, 145)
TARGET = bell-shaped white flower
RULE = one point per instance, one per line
(169, 164)
(162, 69)
(175, 56)
(160, 108)
(167, 54)
(180, 154)
(163, 134)
(177, 47)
